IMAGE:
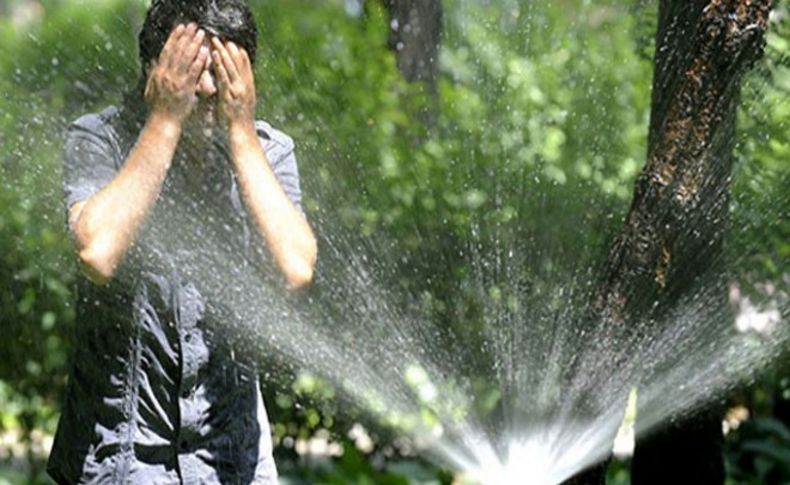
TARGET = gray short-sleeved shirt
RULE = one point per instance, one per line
(154, 396)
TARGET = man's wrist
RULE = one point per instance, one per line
(165, 124)
(242, 132)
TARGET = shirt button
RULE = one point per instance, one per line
(188, 338)
(186, 393)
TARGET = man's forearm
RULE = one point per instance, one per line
(105, 225)
(285, 230)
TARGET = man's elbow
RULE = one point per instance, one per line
(98, 265)
(300, 269)
(298, 278)
(98, 255)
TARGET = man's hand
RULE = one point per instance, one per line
(236, 84)
(171, 86)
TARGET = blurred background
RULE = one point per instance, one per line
(394, 143)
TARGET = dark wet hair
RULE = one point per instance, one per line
(230, 20)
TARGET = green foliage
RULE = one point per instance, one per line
(761, 453)
(761, 191)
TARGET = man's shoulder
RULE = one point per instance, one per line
(97, 132)
(97, 122)
(267, 133)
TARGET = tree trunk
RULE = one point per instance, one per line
(415, 32)
(415, 35)
(675, 227)
(677, 219)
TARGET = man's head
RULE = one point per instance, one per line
(230, 20)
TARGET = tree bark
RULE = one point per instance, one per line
(674, 230)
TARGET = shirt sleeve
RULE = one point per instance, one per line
(279, 149)
(89, 159)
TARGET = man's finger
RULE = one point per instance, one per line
(226, 61)
(245, 57)
(182, 43)
(234, 54)
(192, 49)
(246, 68)
(197, 66)
(174, 50)
(237, 54)
(186, 38)
(222, 73)
(174, 37)
(172, 40)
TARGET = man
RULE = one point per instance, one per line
(156, 394)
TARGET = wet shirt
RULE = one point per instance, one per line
(157, 394)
